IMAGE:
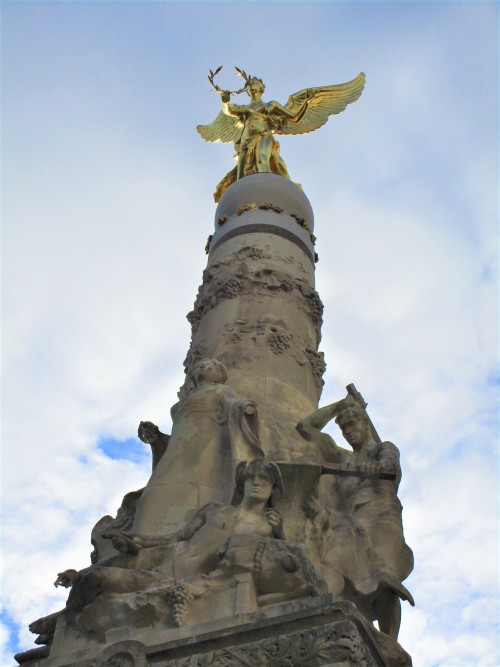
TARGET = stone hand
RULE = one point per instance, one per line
(274, 519)
(371, 468)
(225, 96)
(124, 542)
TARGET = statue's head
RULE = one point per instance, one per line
(258, 478)
(208, 370)
(255, 84)
(353, 422)
(148, 432)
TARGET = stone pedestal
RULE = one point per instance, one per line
(312, 632)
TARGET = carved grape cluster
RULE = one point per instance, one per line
(230, 288)
(279, 341)
(254, 253)
(178, 598)
(287, 284)
(207, 245)
(318, 365)
(315, 307)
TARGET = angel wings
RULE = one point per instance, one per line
(252, 126)
(320, 103)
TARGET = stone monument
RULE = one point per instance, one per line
(257, 541)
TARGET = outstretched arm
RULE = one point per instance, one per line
(128, 542)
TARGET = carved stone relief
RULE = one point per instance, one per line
(338, 644)
(268, 332)
(122, 654)
(233, 277)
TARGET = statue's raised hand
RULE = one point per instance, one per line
(275, 520)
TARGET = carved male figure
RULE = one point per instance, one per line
(368, 546)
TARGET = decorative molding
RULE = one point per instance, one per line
(336, 644)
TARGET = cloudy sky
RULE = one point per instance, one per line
(107, 205)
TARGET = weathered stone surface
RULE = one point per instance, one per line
(213, 430)
(193, 571)
(312, 632)
(258, 312)
(364, 542)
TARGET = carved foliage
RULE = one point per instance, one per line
(272, 332)
(335, 644)
(234, 277)
(318, 364)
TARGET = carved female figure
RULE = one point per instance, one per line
(252, 126)
(213, 430)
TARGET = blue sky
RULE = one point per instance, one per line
(107, 204)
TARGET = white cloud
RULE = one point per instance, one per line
(107, 208)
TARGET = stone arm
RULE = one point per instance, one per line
(311, 426)
(317, 420)
(129, 542)
(388, 460)
(388, 456)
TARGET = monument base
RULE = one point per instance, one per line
(309, 632)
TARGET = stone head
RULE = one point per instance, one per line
(208, 370)
(258, 478)
(353, 422)
(148, 432)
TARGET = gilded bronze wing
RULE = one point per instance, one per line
(323, 102)
(224, 128)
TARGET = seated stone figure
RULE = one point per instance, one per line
(218, 543)
(367, 545)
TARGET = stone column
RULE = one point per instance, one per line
(258, 313)
(257, 310)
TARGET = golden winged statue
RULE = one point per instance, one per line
(252, 126)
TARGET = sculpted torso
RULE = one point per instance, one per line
(202, 551)
(257, 119)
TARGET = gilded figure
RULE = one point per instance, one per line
(252, 127)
